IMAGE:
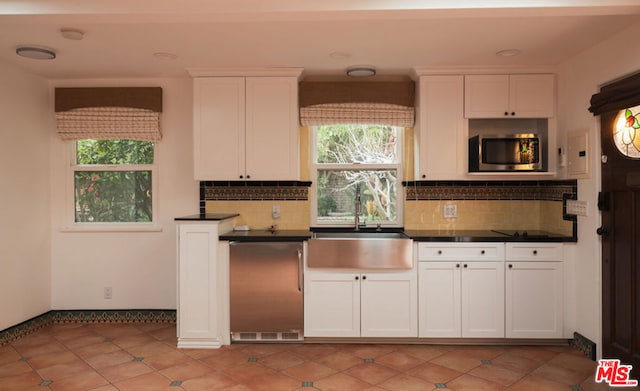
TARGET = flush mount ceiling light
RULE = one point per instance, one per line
(35, 53)
(72, 34)
(361, 71)
(508, 52)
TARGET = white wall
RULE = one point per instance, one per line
(578, 79)
(139, 266)
(25, 271)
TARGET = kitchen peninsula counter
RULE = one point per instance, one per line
(284, 235)
(208, 217)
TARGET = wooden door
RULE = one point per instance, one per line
(620, 233)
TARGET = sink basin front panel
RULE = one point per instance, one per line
(353, 253)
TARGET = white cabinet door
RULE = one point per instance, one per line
(439, 299)
(331, 304)
(534, 300)
(510, 96)
(486, 96)
(246, 128)
(272, 128)
(532, 96)
(198, 307)
(439, 135)
(218, 128)
(389, 304)
(482, 299)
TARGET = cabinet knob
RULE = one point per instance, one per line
(241, 176)
(457, 265)
(513, 113)
(482, 252)
(506, 113)
(535, 252)
(439, 252)
(248, 176)
(357, 278)
(510, 266)
(424, 176)
(465, 265)
(364, 277)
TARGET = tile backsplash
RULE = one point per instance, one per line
(518, 205)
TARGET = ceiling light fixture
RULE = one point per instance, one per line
(508, 52)
(35, 53)
(72, 34)
(361, 71)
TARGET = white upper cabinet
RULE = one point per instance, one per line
(440, 129)
(246, 128)
(509, 96)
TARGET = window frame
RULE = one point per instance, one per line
(73, 167)
(314, 166)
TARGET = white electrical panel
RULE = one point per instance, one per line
(578, 154)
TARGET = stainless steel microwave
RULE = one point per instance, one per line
(514, 152)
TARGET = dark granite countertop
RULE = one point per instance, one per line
(486, 236)
(281, 235)
(207, 217)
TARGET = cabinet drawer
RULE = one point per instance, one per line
(534, 252)
(457, 251)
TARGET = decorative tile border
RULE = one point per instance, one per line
(253, 191)
(85, 316)
(494, 190)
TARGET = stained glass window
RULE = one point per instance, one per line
(626, 135)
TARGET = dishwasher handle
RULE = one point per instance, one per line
(300, 270)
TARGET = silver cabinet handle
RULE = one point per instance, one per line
(300, 270)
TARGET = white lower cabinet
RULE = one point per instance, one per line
(534, 299)
(338, 304)
(202, 285)
(461, 290)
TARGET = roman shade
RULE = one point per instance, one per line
(618, 95)
(131, 113)
(377, 102)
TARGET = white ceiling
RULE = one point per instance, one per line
(393, 35)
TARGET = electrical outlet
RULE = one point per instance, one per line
(450, 211)
(108, 292)
(275, 211)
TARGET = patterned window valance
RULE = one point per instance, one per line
(109, 113)
(386, 102)
(357, 113)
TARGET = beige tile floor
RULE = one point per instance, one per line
(129, 357)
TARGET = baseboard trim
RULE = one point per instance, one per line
(584, 344)
(85, 316)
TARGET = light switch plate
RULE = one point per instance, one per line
(578, 208)
(275, 212)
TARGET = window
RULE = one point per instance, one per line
(352, 158)
(114, 182)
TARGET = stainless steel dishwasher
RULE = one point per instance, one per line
(265, 281)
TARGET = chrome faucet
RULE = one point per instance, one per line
(358, 209)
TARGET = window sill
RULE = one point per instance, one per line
(111, 228)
